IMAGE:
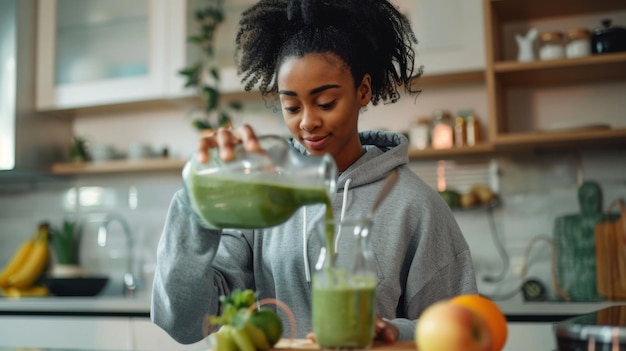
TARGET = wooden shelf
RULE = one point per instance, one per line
(482, 149)
(516, 10)
(603, 67)
(570, 139)
(455, 78)
(118, 166)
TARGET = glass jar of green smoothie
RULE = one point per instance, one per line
(257, 189)
(344, 287)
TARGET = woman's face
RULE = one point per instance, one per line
(321, 106)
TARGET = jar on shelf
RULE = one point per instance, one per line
(460, 139)
(551, 46)
(472, 129)
(578, 43)
(443, 135)
(419, 134)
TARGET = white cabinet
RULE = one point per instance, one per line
(104, 52)
(111, 333)
(148, 336)
(524, 336)
(88, 333)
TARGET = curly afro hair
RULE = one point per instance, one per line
(370, 36)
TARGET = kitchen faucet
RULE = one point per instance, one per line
(130, 285)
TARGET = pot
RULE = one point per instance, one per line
(608, 38)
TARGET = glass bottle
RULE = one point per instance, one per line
(472, 127)
(460, 138)
(344, 286)
(257, 189)
(443, 135)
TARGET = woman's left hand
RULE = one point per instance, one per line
(385, 331)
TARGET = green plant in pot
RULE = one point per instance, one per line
(65, 242)
(204, 74)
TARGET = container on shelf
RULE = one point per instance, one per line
(608, 38)
(419, 133)
(551, 46)
(443, 135)
(460, 138)
(578, 43)
(471, 127)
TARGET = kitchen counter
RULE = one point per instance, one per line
(138, 306)
(516, 311)
(285, 345)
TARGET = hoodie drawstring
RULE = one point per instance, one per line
(305, 246)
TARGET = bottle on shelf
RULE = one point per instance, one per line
(460, 138)
(471, 127)
(443, 135)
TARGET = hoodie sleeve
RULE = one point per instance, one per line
(191, 273)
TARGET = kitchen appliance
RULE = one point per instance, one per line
(601, 330)
(608, 38)
(29, 141)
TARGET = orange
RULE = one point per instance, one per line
(490, 312)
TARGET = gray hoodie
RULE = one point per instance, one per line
(421, 255)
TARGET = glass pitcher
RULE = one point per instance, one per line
(344, 287)
(257, 189)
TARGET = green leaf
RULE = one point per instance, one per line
(200, 125)
(215, 73)
(212, 97)
(196, 39)
(224, 119)
(235, 105)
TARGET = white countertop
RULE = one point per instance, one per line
(104, 304)
(141, 304)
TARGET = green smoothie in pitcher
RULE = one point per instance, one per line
(248, 203)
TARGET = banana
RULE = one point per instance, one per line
(17, 261)
(33, 291)
(257, 336)
(222, 341)
(241, 339)
(35, 263)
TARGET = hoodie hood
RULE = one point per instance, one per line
(384, 152)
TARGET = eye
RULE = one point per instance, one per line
(328, 106)
(291, 110)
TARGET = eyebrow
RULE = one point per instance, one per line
(312, 92)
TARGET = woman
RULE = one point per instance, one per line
(325, 60)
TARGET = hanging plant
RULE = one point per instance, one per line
(204, 74)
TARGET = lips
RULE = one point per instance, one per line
(316, 142)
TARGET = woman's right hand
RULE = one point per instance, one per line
(225, 139)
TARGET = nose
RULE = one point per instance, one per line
(310, 119)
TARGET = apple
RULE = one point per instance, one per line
(444, 326)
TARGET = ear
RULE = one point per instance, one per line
(364, 90)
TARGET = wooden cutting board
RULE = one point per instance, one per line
(305, 344)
